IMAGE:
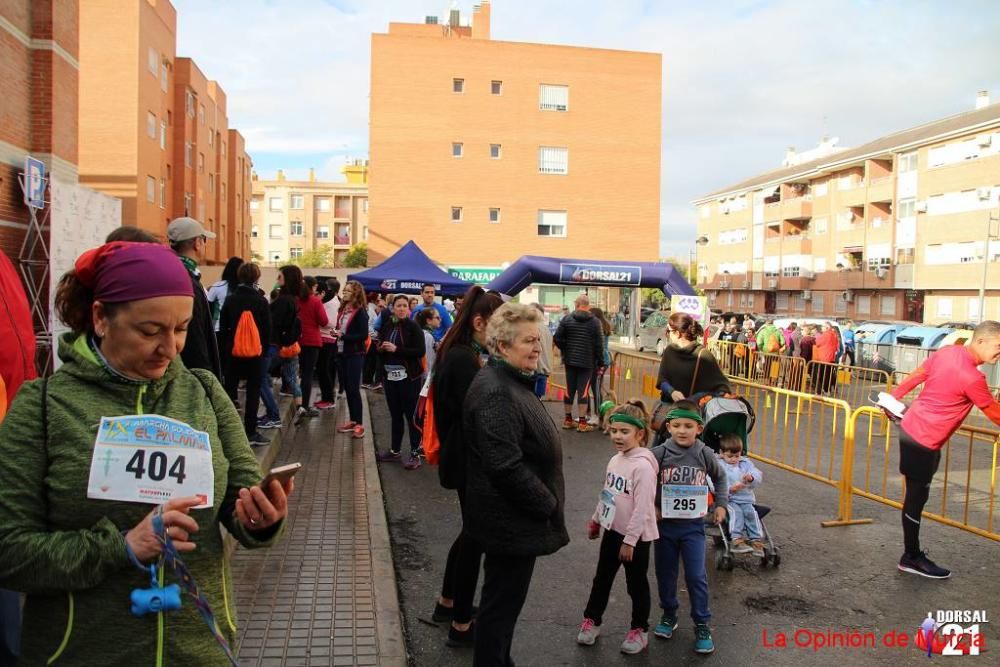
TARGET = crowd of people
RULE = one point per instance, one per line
(152, 357)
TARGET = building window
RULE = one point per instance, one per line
(456, 214)
(818, 304)
(153, 61)
(495, 151)
(163, 135)
(364, 205)
(322, 204)
(944, 308)
(781, 301)
(887, 305)
(223, 190)
(864, 305)
(254, 231)
(456, 149)
(458, 85)
(201, 162)
(553, 160)
(201, 210)
(223, 149)
(295, 229)
(211, 182)
(150, 189)
(189, 103)
(164, 77)
(821, 189)
(211, 134)
(907, 162)
(163, 193)
(496, 87)
(254, 204)
(364, 233)
(820, 225)
(151, 124)
(552, 223)
(274, 231)
(906, 208)
(342, 207)
(188, 152)
(276, 204)
(323, 232)
(553, 98)
(904, 255)
(294, 253)
(201, 114)
(297, 202)
(188, 200)
(494, 215)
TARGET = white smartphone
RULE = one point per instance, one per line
(281, 473)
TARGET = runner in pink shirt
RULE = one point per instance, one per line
(952, 385)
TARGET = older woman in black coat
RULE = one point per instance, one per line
(515, 494)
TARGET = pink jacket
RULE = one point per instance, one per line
(631, 478)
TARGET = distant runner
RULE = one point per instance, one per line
(952, 385)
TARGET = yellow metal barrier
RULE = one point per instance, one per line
(968, 477)
(851, 383)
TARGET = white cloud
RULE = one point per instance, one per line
(741, 81)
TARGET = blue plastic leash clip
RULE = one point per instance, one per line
(156, 598)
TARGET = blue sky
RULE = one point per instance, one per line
(742, 80)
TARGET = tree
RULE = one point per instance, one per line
(314, 258)
(357, 256)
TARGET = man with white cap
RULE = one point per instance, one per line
(188, 239)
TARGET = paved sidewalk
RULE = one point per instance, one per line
(326, 593)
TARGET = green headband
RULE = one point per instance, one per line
(684, 414)
(605, 407)
(627, 419)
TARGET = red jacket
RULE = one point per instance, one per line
(826, 347)
(312, 314)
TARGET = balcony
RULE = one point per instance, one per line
(799, 208)
(881, 190)
(855, 196)
(341, 240)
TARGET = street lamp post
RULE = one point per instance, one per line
(986, 264)
(692, 257)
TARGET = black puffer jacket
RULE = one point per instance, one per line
(452, 376)
(515, 495)
(580, 340)
(201, 349)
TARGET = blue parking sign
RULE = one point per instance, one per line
(34, 182)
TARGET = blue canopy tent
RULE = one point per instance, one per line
(407, 271)
(555, 271)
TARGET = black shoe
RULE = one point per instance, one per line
(922, 565)
(442, 613)
(461, 638)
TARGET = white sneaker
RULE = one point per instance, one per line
(588, 633)
(594, 420)
(635, 641)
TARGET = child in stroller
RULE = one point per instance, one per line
(728, 422)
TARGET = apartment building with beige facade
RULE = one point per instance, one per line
(485, 150)
(290, 218)
(895, 229)
(153, 128)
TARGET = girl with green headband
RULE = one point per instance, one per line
(626, 512)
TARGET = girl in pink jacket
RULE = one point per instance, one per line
(626, 510)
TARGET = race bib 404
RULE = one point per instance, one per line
(150, 459)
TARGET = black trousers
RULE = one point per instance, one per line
(327, 369)
(349, 370)
(307, 368)
(506, 580)
(917, 464)
(635, 580)
(251, 369)
(461, 572)
(402, 396)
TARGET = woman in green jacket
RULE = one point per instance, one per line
(120, 427)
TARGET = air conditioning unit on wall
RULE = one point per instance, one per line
(881, 272)
(746, 284)
(772, 283)
(847, 295)
(807, 295)
(920, 206)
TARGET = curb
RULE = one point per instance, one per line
(388, 615)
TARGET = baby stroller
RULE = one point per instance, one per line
(727, 414)
(723, 415)
(724, 555)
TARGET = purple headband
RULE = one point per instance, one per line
(123, 271)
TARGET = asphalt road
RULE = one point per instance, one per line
(830, 580)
